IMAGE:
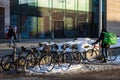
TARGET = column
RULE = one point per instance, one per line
(100, 16)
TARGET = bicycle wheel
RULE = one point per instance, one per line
(20, 64)
(91, 55)
(46, 62)
(30, 60)
(7, 62)
(65, 60)
(76, 57)
(112, 55)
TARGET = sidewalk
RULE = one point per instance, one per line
(37, 40)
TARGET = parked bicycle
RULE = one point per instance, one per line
(76, 55)
(37, 56)
(87, 54)
(30, 58)
(111, 54)
(13, 61)
(60, 58)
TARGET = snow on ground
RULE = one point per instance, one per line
(77, 67)
(82, 67)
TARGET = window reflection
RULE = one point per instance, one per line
(43, 18)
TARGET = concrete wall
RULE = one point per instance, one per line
(6, 5)
(113, 16)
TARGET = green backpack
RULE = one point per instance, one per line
(109, 38)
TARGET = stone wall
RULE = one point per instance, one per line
(6, 5)
(113, 16)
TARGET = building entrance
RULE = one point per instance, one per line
(59, 29)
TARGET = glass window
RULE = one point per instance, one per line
(58, 4)
(69, 28)
(29, 27)
(41, 31)
(38, 18)
(23, 7)
(70, 4)
(14, 7)
(83, 5)
(95, 17)
(33, 3)
(44, 3)
(13, 20)
(84, 18)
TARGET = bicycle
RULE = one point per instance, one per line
(88, 54)
(111, 54)
(37, 56)
(46, 58)
(30, 58)
(33, 55)
(63, 59)
(79, 52)
(13, 61)
(75, 53)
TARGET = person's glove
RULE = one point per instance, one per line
(93, 43)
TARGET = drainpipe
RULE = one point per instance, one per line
(100, 16)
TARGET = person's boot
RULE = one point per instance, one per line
(104, 61)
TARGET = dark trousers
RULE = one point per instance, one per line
(104, 53)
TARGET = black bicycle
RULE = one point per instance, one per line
(13, 61)
(76, 55)
(39, 57)
(111, 54)
(63, 59)
(30, 58)
(86, 54)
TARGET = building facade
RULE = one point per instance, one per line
(56, 18)
(113, 16)
(4, 16)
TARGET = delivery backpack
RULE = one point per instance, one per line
(109, 38)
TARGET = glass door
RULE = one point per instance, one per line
(59, 29)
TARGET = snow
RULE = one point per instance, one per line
(81, 42)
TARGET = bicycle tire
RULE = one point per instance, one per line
(30, 60)
(65, 60)
(91, 55)
(6, 62)
(112, 55)
(46, 62)
(20, 64)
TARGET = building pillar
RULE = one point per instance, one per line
(100, 16)
(4, 16)
(20, 23)
(50, 18)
